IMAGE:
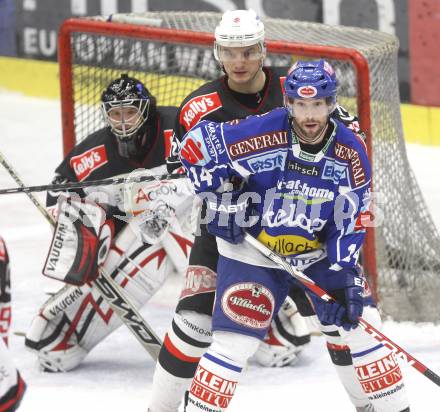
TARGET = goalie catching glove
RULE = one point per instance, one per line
(80, 243)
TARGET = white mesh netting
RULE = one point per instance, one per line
(407, 242)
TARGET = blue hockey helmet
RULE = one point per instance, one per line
(311, 80)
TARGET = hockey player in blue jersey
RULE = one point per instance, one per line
(299, 182)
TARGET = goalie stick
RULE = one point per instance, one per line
(79, 185)
(112, 293)
(367, 327)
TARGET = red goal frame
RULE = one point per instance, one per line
(353, 56)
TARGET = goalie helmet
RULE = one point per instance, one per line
(128, 107)
(311, 80)
(239, 28)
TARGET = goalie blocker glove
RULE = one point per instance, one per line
(80, 242)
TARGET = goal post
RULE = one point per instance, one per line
(171, 52)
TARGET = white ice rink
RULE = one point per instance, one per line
(117, 375)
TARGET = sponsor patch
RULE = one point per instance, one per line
(85, 163)
(194, 150)
(167, 136)
(290, 217)
(198, 279)
(300, 189)
(303, 169)
(356, 168)
(307, 91)
(197, 108)
(333, 171)
(379, 375)
(248, 304)
(289, 244)
(256, 144)
(267, 162)
(212, 389)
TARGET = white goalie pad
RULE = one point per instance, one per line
(76, 319)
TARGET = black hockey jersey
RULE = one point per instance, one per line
(217, 102)
(97, 156)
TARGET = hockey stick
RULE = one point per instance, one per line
(79, 185)
(112, 293)
(367, 327)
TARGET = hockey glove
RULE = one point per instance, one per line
(349, 288)
(225, 212)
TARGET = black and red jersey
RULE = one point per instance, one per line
(217, 102)
(97, 156)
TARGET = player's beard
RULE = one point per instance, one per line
(310, 131)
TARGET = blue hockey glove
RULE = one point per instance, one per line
(225, 212)
(349, 288)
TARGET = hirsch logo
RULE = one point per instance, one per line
(85, 163)
(248, 304)
(307, 91)
(256, 144)
(198, 107)
(302, 168)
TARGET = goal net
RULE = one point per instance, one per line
(171, 52)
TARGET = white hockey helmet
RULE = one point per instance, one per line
(239, 28)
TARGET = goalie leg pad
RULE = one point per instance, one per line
(76, 319)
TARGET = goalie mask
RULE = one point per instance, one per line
(239, 28)
(128, 108)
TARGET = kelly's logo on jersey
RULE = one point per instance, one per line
(198, 107)
(303, 169)
(356, 167)
(87, 162)
(257, 144)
